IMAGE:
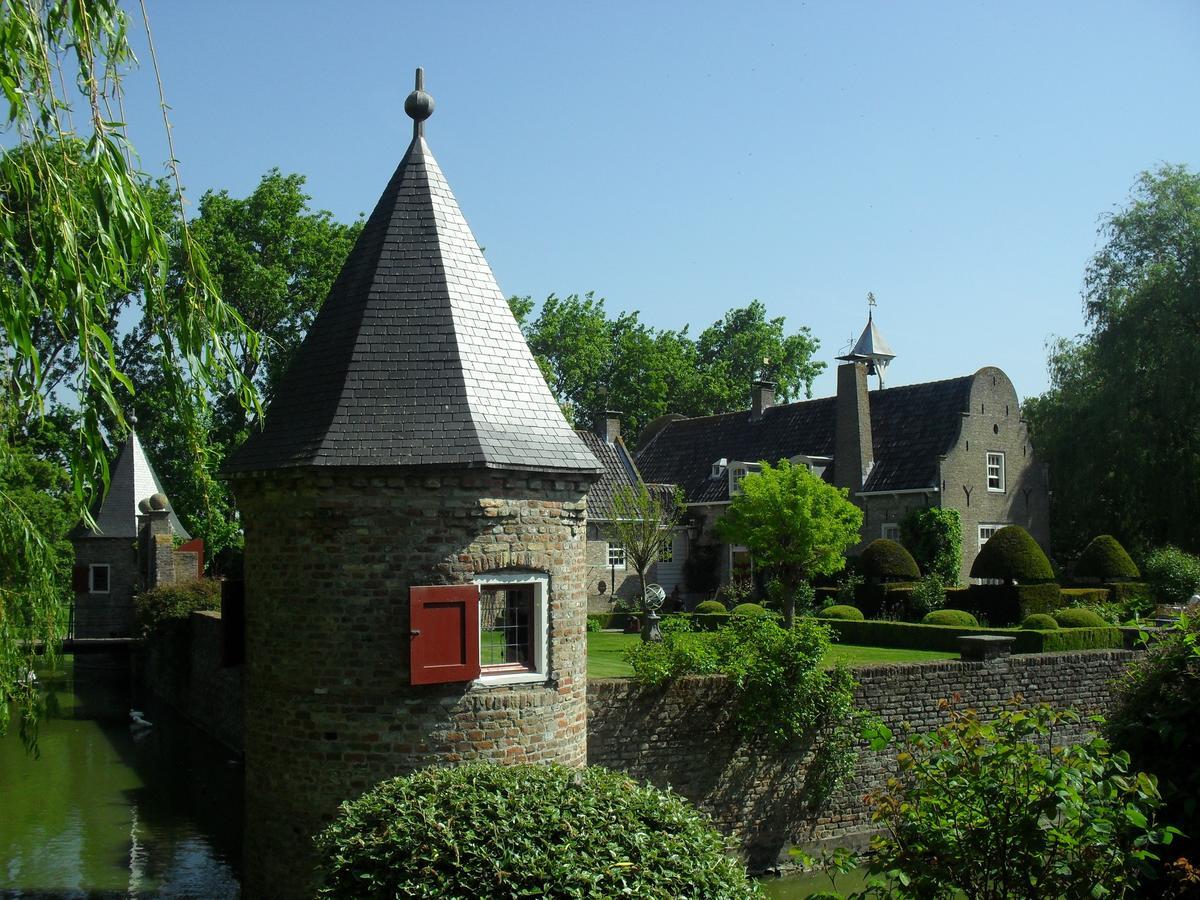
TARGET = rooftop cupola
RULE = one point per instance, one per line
(415, 358)
(871, 347)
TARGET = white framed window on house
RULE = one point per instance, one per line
(667, 554)
(995, 472)
(616, 556)
(512, 627)
(986, 530)
(98, 578)
(890, 531)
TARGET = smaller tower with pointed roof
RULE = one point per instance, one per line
(871, 347)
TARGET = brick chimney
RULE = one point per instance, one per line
(762, 398)
(853, 455)
(608, 425)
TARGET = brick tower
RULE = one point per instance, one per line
(414, 512)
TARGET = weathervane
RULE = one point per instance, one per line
(871, 304)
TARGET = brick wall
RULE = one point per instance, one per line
(330, 557)
(109, 614)
(683, 736)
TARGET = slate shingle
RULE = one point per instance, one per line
(415, 358)
(911, 426)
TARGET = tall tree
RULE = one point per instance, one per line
(644, 524)
(1120, 425)
(795, 525)
(77, 230)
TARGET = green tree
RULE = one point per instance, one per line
(1120, 425)
(795, 525)
(644, 524)
(77, 230)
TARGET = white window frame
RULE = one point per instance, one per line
(1001, 476)
(540, 631)
(616, 552)
(92, 569)
(738, 471)
(890, 531)
(994, 526)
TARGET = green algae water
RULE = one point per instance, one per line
(114, 810)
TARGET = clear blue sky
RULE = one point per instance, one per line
(683, 158)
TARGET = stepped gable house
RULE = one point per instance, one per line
(415, 521)
(959, 443)
(131, 548)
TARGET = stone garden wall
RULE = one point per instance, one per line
(683, 736)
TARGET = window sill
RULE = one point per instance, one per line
(509, 678)
(992, 490)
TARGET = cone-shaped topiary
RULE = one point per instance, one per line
(844, 612)
(958, 617)
(709, 607)
(1106, 559)
(1078, 617)
(1012, 555)
(1040, 621)
(888, 560)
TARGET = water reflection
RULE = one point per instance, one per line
(114, 811)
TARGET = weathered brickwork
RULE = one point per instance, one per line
(108, 614)
(330, 558)
(683, 736)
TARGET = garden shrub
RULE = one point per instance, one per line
(883, 601)
(993, 809)
(944, 638)
(1173, 575)
(593, 625)
(956, 617)
(1040, 621)
(709, 621)
(1135, 598)
(934, 538)
(1156, 719)
(708, 607)
(806, 599)
(746, 610)
(172, 604)
(1085, 596)
(848, 585)
(1069, 640)
(927, 595)
(1011, 554)
(487, 830)
(852, 613)
(1007, 604)
(886, 560)
(1078, 617)
(1104, 558)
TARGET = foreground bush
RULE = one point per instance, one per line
(991, 809)
(1078, 617)
(956, 617)
(848, 613)
(486, 830)
(174, 603)
(934, 536)
(1173, 575)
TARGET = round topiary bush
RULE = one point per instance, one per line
(486, 830)
(1040, 622)
(1012, 554)
(746, 610)
(846, 613)
(957, 617)
(1078, 617)
(1106, 559)
(709, 608)
(888, 561)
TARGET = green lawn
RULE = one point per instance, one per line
(606, 654)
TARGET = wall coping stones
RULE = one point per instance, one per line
(985, 647)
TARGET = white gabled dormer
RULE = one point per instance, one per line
(738, 471)
(718, 468)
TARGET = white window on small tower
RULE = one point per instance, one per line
(995, 472)
(616, 556)
(890, 531)
(98, 578)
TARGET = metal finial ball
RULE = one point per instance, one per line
(419, 106)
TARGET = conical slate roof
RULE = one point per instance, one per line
(871, 344)
(415, 358)
(131, 480)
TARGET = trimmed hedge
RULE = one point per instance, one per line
(848, 613)
(884, 559)
(1104, 558)
(709, 621)
(889, 599)
(956, 617)
(707, 607)
(1006, 604)
(1087, 596)
(170, 606)
(1040, 621)
(1078, 617)
(944, 638)
(747, 610)
(1012, 554)
(486, 830)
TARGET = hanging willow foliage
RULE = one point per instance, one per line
(77, 228)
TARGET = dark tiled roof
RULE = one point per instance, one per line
(911, 426)
(620, 471)
(415, 358)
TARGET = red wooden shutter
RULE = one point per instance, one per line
(79, 579)
(444, 623)
(195, 545)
